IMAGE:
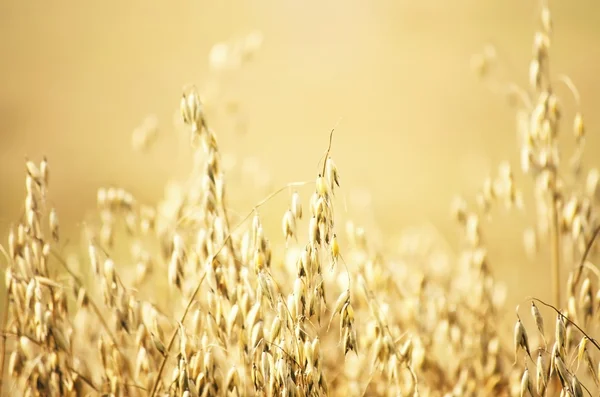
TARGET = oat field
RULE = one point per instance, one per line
(300, 199)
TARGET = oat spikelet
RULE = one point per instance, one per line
(526, 386)
(581, 350)
(520, 339)
(288, 225)
(539, 320)
(335, 250)
(296, 206)
(339, 303)
(540, 378)
(560, 331)
(561, 370)
(576, 388)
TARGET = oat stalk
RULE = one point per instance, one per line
(3, 341)
(554, 245)
(586, 253)
(174, 335)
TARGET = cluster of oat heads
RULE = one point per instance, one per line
(565, 197)
(565, 203)
(565, 362)
(563, 368)
(36, 319)
(173, 299)
(255, 327)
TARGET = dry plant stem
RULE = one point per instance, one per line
(554, 245)
(256, 207)
(3, 342)
(86, 380)
(588, 248)
(328, 150)
(284, 352)
(174, 335)
(3, 325)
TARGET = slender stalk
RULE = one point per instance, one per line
(586, 253)
(554, 249)
(174, 335)
(3, 343)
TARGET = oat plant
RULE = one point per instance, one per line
(184, 297)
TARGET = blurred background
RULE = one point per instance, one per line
(416, 126)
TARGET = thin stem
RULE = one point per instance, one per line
(3, 343)
(256, 207)
(554, 246)
(3, 325)
(328, 150)
(586, 253)
(174, 335)
(85, 379)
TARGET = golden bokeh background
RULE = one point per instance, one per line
(416, 126)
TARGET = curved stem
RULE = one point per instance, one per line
(594, 342)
